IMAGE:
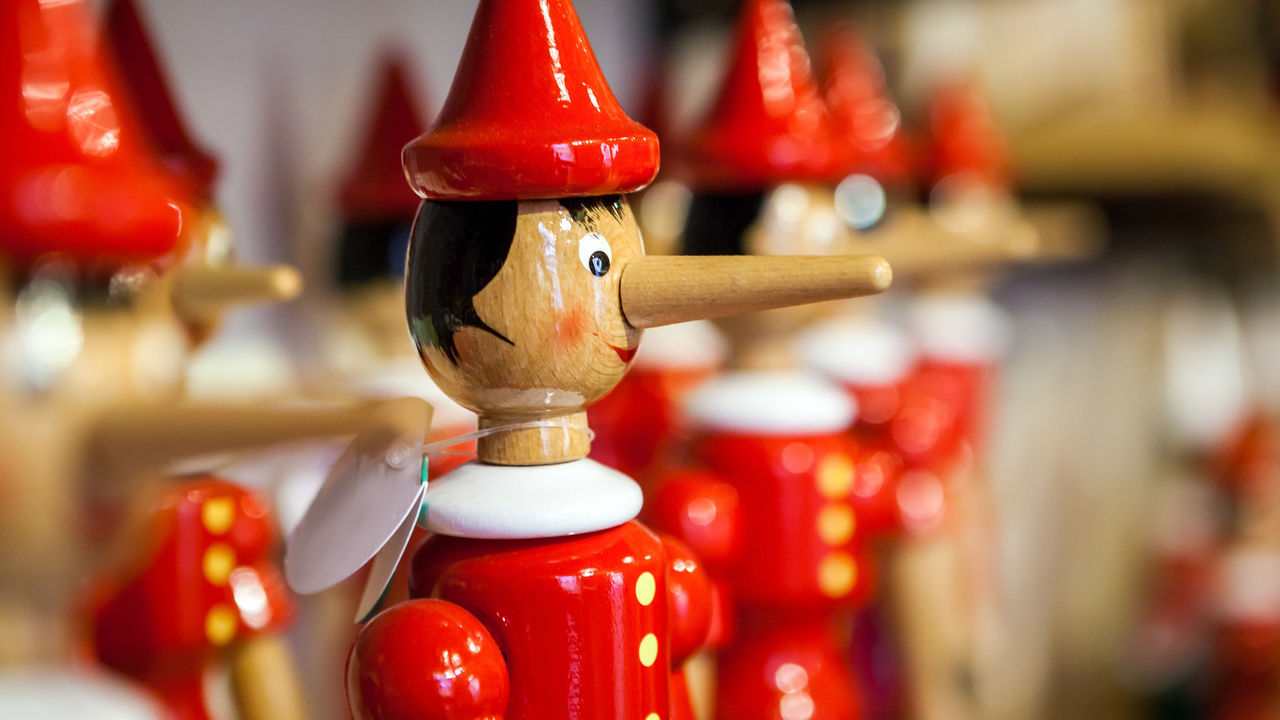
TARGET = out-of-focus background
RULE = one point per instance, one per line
(1130, 451)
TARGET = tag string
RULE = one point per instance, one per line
(400, 455)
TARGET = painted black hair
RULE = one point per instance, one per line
(717, 222)
(457, 249)
(585, 210)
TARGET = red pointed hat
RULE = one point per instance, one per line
(375, 188)
(858, 98)
(530, 115)
(769, 124)
(129, 45)
(76, 178)
(964, 137)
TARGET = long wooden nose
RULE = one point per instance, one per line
(662, 290)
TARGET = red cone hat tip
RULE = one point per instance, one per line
(857, 97)
(76, 178)
(530, 115)
(965, 139)
(769, 124)
(130, 46)
(375, 188)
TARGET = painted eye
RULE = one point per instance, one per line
(595, 253)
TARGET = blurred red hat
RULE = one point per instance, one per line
(530, 115)
(76, 177)
(964, 138)
(769, 124)
(858, 99)
(375, 188)
(144, 82)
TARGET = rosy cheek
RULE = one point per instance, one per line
(570, 326)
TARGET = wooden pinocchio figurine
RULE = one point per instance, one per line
(776, 493)
(114, 209)
(99, 309)
(208, 595)
(201, 592)
(539, 595)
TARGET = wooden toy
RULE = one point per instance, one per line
(206, 594)
(858, 98)
(772, 498)
(100, 308)
(527, 290)
(203, 596)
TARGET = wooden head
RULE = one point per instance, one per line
(516, 312)
(531, 310)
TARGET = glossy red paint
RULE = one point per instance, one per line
(788, 544)
(857, 96)
(942, 412)
(784, 532)
(206, 581)
(530, 116)
(375, 189)
(76, 178)
(143, 81)
(392, 673)
(964, 139)
(769, 124)
(689, 590)
(783, 667)
(584, 622)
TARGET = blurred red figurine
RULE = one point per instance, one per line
(772, 496)
(857, 95)
(206, 594)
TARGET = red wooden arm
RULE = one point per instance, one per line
(689, 593)
(426, 660)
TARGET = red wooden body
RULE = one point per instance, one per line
(941, 413)
(780, 520)
(590, 626)
(207, 582)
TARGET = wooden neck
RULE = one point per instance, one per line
(535, 445)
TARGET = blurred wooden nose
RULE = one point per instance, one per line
(204, 292)
(662, 290)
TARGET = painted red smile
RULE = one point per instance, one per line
(624, 354)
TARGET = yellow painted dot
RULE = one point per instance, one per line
(837, 574)
(220, 625)
(646, 588)
(219, 561)
(217, 515)
(836, 523)
(835, 476)
(649, 650)
(653, 716)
